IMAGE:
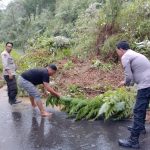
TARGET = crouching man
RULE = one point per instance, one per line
(137, 69)
(31, 78)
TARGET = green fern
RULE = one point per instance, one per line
(115, 105)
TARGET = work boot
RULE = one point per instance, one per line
(131, 142)
(130, 128)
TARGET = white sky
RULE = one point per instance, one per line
(4, 3)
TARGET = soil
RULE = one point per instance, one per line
(91, 80)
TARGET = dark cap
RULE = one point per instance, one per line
(123, 45)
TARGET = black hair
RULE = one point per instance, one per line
(123, 45)
(53, 67)
(10, 43)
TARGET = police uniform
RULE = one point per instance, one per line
(9, 64)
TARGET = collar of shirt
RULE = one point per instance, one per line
(7, 52)
(127, 52)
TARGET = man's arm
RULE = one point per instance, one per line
(6, 66)
(127, 71)
(51, 90)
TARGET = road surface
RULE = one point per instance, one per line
(22, 128)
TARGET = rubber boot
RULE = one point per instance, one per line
(131, 142)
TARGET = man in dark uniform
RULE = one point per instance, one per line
(9, 72)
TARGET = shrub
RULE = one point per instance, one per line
(61, 42)
(101, 65)
(68, 65)
(86, 28)
(34, 59)
(143, 47)
(134, 19)
(52, 44)
(109, 46)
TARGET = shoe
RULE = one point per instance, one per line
(130, 128)
(132, 142)
(16, 102)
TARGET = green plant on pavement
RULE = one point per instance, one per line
(114, 105)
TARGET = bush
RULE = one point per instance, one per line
(68, 65)
(143, 47)
(61, 42)
(42, 58)
(109, 46)
(34, 59)
(86, 28)
(101, 65)
(131, 23)
(52, 44)
(134, 19)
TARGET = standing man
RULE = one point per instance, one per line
(137, 70)
(9, 72)
(31, 78)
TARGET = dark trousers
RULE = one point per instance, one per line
(12, 88)
(142, 103)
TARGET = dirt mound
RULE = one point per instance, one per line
(91, 80)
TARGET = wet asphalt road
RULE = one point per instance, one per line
(22, 128)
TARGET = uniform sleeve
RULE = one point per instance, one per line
(5, 61)
(45, 78)
(127, 71)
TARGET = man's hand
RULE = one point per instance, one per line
(58, 95)
(10, 76)
(122, 83)
(51, 90)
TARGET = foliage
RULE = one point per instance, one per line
(110, 105)
(68, 65)
(42, 58)
(109, 46)
(75, 91)
(143, 47)
(82, 26)
(34, 59)
(52, 44)
(129, 23)
(112, 10)
(101, 65)
(85, 30)
(117, 104)
(26, 20)
(135, 19)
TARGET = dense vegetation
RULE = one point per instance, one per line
(80, 26)
(45, 31)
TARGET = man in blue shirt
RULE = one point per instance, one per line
(31, 78)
